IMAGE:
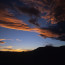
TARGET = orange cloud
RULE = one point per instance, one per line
(45, 32)
(5, 39)
(12, 23)
(2, 42)
(20, 25)
(8, 46)
(8, 20)
(2, 39)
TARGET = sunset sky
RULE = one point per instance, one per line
(28, 24)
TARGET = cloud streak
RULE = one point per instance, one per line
(10, 49)
(14, 50)
(13, 24)
(5, 39)
(2, 41)
(6, 47)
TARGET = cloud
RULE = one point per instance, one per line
(59, 29)
(34, 21)
(55, 13)
(5, 39)
(9, 20)
(29, 10)
(13, 24)
(56, 31)
(1, 42)
(51, 10)
(45, 32)
(10, 49)
(18, 40)
(2, 39)
(62, 38)
(8, 46)
(13, 50)
(54, 9)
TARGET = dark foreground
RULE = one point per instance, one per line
(40, 56)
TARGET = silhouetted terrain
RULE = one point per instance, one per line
(41, 56)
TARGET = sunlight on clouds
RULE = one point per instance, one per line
(2, 42)
(10, 49)
(13, 24)
(54, 9)
(6, 46)
(2, 39)
(5, 39)
(14, 50)
(9, 46)
(45, 32)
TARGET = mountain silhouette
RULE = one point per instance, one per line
(48, 55)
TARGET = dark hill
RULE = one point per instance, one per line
(41, 56)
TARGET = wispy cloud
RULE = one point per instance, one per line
(9, 47)
(5, 39)
(6, 47)
(13, 24)
(2, 41)
(18, 40)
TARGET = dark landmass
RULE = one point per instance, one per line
(41, 56)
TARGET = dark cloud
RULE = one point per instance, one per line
(29, 10)
(34, 21)
(59, 11)
(32, 12)
(55, 9)
(1, 42)
(62, 38)
(58, 29)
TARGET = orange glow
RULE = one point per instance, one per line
(45, 32)
(13, 23)
(14, 50)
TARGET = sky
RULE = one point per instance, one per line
(28, 24)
